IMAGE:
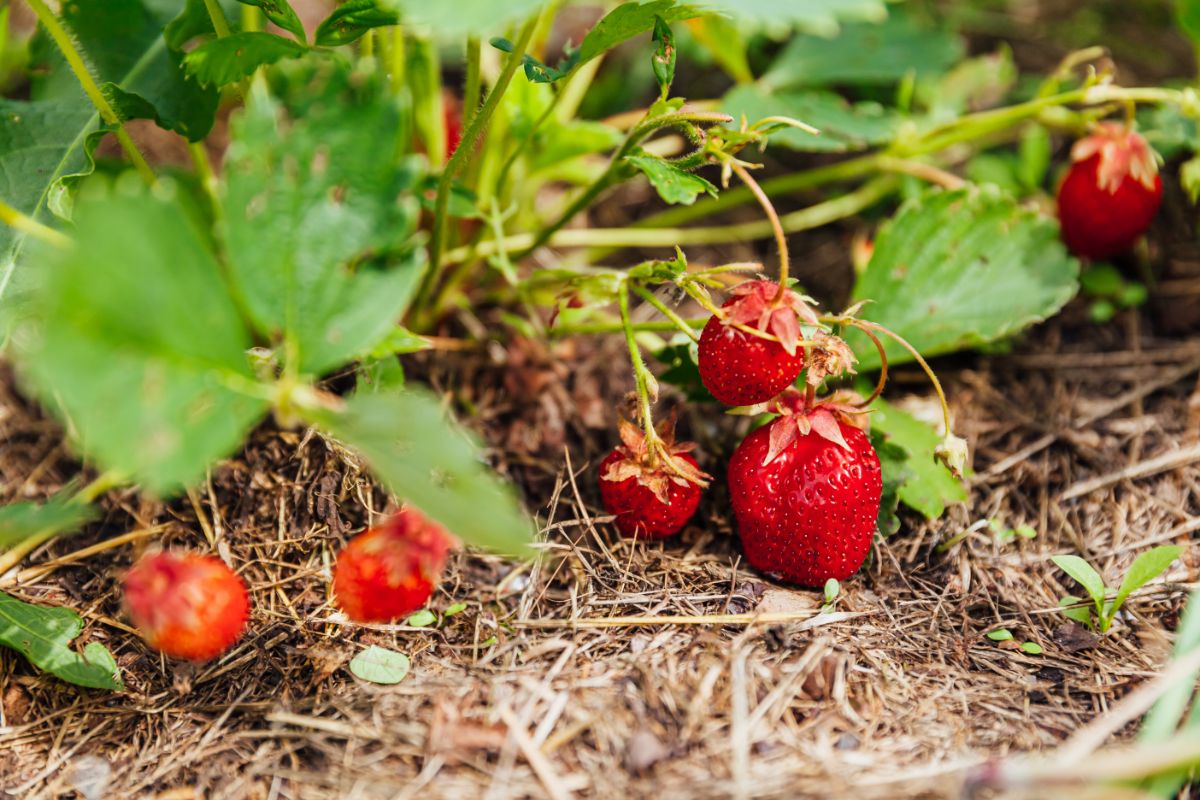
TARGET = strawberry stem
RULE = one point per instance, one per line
(883, 367)
(864, 325)
(773, 217)
(641, 374)
(662, 308)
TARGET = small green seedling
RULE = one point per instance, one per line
(1006, 535)
(832, 590)
(1100, 614)
(1110, 292)
(1005, 635)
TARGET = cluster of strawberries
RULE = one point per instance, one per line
(805, 488)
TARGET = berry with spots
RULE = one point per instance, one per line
(739, 366)
(652, 486)
(390, 571)
(1110, 194)
(186, 605)
(805, 491)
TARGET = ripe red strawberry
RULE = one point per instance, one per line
(741, 369)
(187, 605)
(652, 497)
(805, 491)
(389, 571)
(1110, 193)
(452, 120)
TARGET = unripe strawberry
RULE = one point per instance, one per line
(186, 605)
(805, 490)
(741, 369)
(1110, 193)
(390, 571)
(652, 498)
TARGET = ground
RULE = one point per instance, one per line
(899, 683)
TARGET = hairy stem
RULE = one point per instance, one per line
(75, 61)
(640, 373)
(680, 323)
(471, 88)
(864, 325)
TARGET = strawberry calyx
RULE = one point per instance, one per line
(654, 461)
(828, 357)
(1122, 152)
(760, 306)
(797, 418)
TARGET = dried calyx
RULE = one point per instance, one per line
(654, 461)
(759, 305)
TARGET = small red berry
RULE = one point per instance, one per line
(652, 498)
(452, 121)
(390, 571)
(805, 490)
(187, 605)
(741, 369)
(1110, 193)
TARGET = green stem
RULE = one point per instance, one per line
(595, 328)
(250, 19)
(28, 225)
(640, 373)
(217, 15)
(463, 153)
(397, 57)
(679, 322)
(471, 89)
(804, 219)
(204, 169)
(772, 220)
(75, 61)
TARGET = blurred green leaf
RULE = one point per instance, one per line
(422, 619)
(1033, 151)
(379, 374)
(43, 634)
(1032, 648)
(59, 514)
(1001, 635)
(927, 487)
(974, 84)
(305, 199)
(430, 462)
(1163, 721)
(1081, 614)
(725, 43)
(866, 53)
(380, 665)
(282, 14)
(230, 59)
(673, 184)
(893, 464)
(958, 269)
(137, 342)
(844, 126)
(456, 608)
(821, 17)
(1187, 16)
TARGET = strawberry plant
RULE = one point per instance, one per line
(363, 209)
(1099, 615)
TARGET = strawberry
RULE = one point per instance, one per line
(186, 605)
(1110, 193)
(652, 486)
(805, 491)
(740, 368)
(389, 571)
(452, 121)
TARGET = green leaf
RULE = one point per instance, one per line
(628, 20)
(1163, 720)
(43, 634)
(380, 665)
(352, 19)
(971, 85)
(194, 21)
(673, 184)
(456, 608)
(231, 58)
(725, 43)
(1081, 614)
(1032, 648)
(422, 619)
(831, 590)
(893, 463)
(1084, 574)
(379, 374)
(124, 45)
(881, 53)
(136, 341)
(59, 514)
(457, 19)
(282, 14)
(400, 340)
(821, 17)
(305, 200)
(1001, 635)
(1145, 568)
(960, 269)
(663, 59)
(844, 127)
(424, 459)
(928, 486)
